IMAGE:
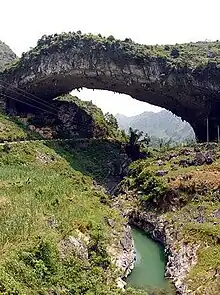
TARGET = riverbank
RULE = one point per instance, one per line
(180, 259)
(174, 197)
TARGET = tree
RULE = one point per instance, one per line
(111, 121)
(146, 140)
(128, 40)
(111, 38)
(134, 136)
(135, 143)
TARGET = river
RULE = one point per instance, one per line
(148, 273)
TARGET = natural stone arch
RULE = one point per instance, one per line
(64, 62)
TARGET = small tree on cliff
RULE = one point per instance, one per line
(137, 137)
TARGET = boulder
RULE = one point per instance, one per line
(159, 162)
(161, 172)
(209, 158)
(73, 246)
(200, 159)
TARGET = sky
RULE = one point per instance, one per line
(23, 22)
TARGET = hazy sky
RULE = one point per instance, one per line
(23, 22)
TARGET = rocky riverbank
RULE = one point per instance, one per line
(179, 207)
(123, 255)
(180, 259)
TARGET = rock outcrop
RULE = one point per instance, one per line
(63, 119)
(123, 254)
(121, 250)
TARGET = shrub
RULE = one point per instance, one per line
(174, 53)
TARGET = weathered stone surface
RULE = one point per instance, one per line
(159, 163)
(73, 246)
(209, 158)
(68, 120)
(200, 159)
(203, 158)
(7, 56)
(123, 253)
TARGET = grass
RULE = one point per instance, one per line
(13, 129)
(43, 200)
(101, 159)
(47, 194)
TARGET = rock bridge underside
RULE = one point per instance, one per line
(61, 63)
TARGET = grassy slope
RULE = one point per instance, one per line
(196, 218)
(13, 129)
(43, 199)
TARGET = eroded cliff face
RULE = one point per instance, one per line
(61, 120)
(189, 93)
(174, 196)
(6, 55)
(123, 255)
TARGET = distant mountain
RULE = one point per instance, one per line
(158, 125)
(6, 55)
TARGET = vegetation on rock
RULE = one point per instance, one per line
(54, 218)
(198, 55)
(104, 125)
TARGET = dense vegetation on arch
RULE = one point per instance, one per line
(199, 55)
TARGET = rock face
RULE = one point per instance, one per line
(58, 67)
(123, 254)
(121, 251)
(179, 259)
(72, 245)
(6, 55)
(63, 120)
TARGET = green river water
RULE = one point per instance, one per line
(148, 272)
